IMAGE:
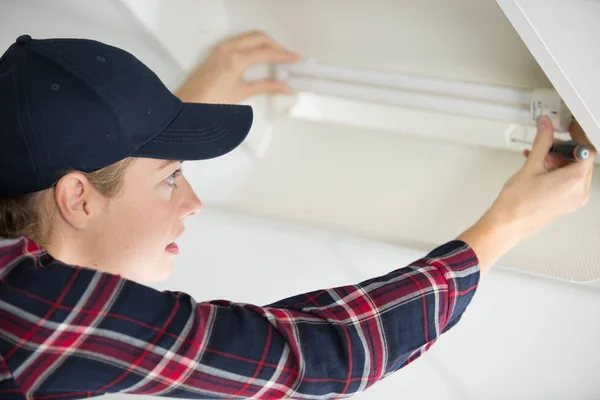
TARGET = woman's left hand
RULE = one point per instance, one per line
(220, 78)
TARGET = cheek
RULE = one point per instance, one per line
(138, 237)
(141, 228)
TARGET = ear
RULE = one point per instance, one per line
(74, 196)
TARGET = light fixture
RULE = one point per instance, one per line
(452, 111)
(517, 106)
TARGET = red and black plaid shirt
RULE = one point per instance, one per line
(68, 332)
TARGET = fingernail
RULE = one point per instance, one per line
(542, 123)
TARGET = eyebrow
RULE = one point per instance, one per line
(166, 163)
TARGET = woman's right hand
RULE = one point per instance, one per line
(544, 189)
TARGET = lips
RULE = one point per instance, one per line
(172, 248)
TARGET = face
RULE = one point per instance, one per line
(134, 233)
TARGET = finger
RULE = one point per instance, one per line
(590, 165)
(554, 161)
(582, 170)
(541, 145)
(251, 39)
(588, 180)
(255, 39)
(551, 162)
(579, 136)
(267, 86)
(577, 168)
(267, 55)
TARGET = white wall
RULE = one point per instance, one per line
(106, 21)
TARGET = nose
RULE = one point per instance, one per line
(191, 204)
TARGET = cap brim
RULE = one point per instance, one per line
(200, 132)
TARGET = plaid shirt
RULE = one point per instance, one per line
(68, 332)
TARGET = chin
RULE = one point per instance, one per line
(162, 272)
(165, 271)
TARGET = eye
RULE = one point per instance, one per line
(170, 180)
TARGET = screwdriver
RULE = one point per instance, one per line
(570, 150)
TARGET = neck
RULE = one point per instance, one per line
(72, 247)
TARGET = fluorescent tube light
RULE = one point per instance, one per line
(477, 100)
(402, 98)
(394, 80)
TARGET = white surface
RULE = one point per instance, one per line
(468, 40)
(563, 36)
(103, 21)
(407, 190)
(200, 24)
(403, 190)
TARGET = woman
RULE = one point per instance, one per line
(92, 200)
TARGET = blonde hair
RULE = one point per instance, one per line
(22, 215)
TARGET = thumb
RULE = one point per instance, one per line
(267, 86)
(541, 145)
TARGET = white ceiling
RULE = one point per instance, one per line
(458, 39)
(393, 187)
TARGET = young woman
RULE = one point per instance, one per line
(92, 200)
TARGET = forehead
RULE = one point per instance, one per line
(150, 166)
(162, 164)
(155, 164)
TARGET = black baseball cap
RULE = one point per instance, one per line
(79, 104)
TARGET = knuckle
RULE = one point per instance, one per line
(259, 33)
(227, 55)
(224, 48)
(581, 196)
(235, 59)
(578, 175)
(586, 199)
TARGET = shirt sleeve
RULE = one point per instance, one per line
(70, 332)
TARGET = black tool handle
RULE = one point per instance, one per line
(571, 150)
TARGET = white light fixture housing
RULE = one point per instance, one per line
(463, 112)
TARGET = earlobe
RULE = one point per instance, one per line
(73, 194)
